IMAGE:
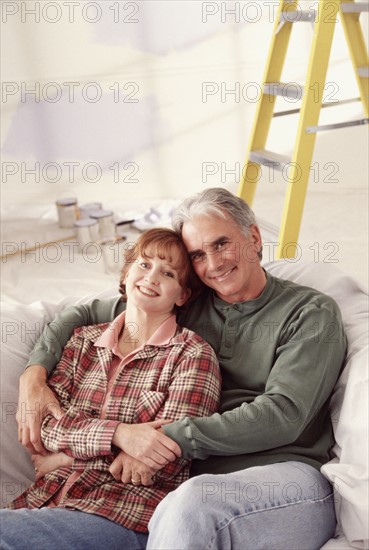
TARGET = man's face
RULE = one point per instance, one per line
(223, 258)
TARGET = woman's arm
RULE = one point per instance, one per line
(195, 386)
(77, 432)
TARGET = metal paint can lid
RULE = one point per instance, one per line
(70, 201)
(85, 222)
(97, 214)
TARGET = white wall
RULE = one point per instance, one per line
(164, 53)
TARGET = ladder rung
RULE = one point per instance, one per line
(294, 16)
(363, 71)
(268, 158)
(315, 129)
(355, 7)
(291, 90)
(323, 106)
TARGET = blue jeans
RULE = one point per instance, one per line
(286, 506)
(46, 528)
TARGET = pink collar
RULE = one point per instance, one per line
(161, 337)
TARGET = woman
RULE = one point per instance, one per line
(142, 367)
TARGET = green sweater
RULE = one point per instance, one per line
(280, 357)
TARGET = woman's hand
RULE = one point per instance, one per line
(147, 443)
(126, 469)
(49, 462)
(36, 400)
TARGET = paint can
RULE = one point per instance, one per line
(67, 211)
(105, 219)
(87, 232)
(86, 209)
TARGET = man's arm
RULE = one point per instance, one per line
(34, 394)
(35, 401)
(307, 364)
(49, 348)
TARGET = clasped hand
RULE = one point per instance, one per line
(147, 443)
(145, 451)
(126, 469)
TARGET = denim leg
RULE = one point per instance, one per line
(47, 528)
(286, 506)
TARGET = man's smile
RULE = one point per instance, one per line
(222, 277)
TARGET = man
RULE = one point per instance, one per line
(281, 347)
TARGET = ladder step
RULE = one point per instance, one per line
(294, 16)
(291, 90)
(323, 106)
(323, 128)
(355, 7)
(268, 158)
(363, 71)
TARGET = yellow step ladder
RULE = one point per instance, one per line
(298, 166)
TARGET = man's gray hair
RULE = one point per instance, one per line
(214, 201)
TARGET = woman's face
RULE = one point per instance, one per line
(152, 283)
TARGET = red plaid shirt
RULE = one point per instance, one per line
(175, 378)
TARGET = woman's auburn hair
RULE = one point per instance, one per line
(163, 242)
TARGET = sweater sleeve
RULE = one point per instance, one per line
(48, 349)
(307, 364)
(194, 390)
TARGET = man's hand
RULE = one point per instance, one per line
(36, 400)
(147, 443)
(126, 469)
